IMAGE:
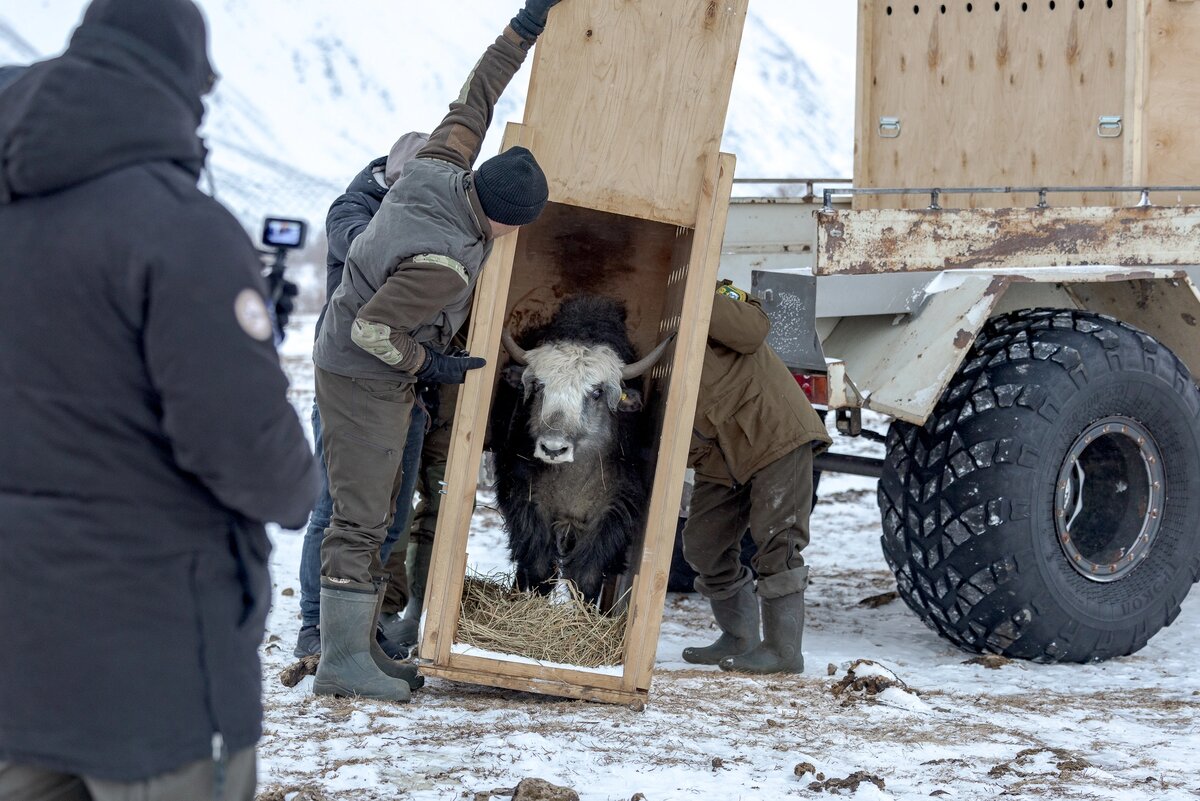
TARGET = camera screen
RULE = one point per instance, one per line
(281, 233)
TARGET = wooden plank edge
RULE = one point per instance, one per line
(649, 592)
(541, 686)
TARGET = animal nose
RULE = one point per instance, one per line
(554, 450)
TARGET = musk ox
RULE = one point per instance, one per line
(570, 465)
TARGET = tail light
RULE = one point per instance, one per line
(815, 386)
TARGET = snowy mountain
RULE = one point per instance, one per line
(310, 91)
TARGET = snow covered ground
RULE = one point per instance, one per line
(965, 728)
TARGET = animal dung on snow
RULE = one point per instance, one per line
(571, 474)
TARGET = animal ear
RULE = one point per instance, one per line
(512, 374)
(631, 400)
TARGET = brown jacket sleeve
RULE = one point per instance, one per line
(460, 135)
(739, 325)
(412, 296)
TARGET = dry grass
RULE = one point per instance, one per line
(571, 632)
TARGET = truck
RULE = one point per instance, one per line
(1010, 279)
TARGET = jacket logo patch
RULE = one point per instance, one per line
(251, 314)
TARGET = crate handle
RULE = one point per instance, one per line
(1109, 127)
(889, 127)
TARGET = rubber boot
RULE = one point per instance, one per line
(347, 636)
(406, 629)
(737, 617)
(392, 667)
(783, 632)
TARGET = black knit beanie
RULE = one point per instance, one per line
(512, 187)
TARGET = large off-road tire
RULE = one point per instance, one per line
(1049, 509)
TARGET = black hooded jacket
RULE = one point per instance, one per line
(145, 432)
(10, 74)
(347, 217)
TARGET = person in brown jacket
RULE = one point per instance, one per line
(752, 449)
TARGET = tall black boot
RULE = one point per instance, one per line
(347, 666)
(737, 617)
(392, 667)
(405, 628)
(783, 633)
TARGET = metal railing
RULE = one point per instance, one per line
(809, 184)
(935, 193)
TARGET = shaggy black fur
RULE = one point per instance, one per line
(543, 537)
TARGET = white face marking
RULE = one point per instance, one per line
(568, 374)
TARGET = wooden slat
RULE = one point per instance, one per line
(650, 586)
(449, 561)
(890, 240)
(1137, 75)
(1172, 133)
(542, 685)
(864, 98)
(526, 670)
(629, 98)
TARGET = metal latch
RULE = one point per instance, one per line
(1109, 127)
(889, 127)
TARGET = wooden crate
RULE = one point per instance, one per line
(625, 112)
(1011, 93)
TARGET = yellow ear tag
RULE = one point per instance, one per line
(624, 396)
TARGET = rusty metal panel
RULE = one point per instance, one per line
(904, 240)
(900, 364)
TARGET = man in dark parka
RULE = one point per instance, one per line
(752, 449)
(8, 74)
(146, 435)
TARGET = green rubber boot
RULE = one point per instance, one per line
(737, 617)
(347, 666)
(783, 633)
(392, 667)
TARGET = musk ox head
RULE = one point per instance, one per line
(573, 392)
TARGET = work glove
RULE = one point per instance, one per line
(282, 294)
(447, 368)
(531, 20)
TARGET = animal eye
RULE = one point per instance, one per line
(596, 393)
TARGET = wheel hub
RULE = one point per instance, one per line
(1108, 500)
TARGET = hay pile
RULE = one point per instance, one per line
(499, 618)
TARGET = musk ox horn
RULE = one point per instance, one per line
(644, 364)
(514, 350)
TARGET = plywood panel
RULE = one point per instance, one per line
(629, 101)
(992, 93)
(1172, 133)
(665, 274)
(584, 250)
(690, 295)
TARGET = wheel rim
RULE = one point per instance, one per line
(1108, 500)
